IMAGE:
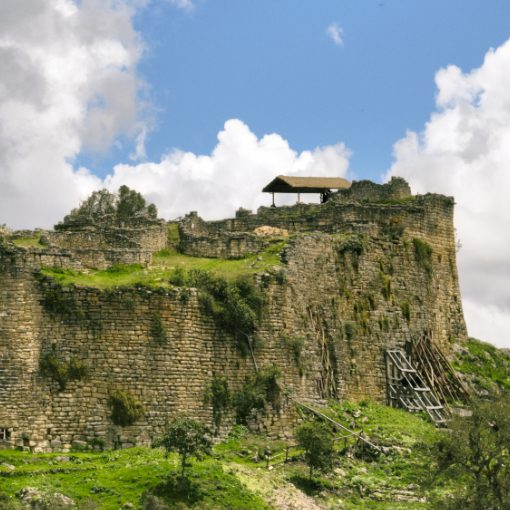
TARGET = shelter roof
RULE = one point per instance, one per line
(291, 184)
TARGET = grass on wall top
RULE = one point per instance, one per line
(163, 266)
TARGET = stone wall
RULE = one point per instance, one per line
(351, 285)
(102, 247)
(428, 215)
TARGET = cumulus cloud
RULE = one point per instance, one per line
(67, 83)
(464, 151)
(336, 34)
(232, 176)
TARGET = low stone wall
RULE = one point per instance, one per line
(367, 191)
(103, 259)
(151, 238)
(227, 246)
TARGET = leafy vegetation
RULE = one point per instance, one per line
(60, 370)
(218, 394)
(158, 330)
(353, 244)
(394, 228)
(316, 439)
(257, 392)
(423, 255)
(235, 476)
(235, 305)
(405, 306)
(295, 344)
(188, 438)
(476, 453)
(103, 208)
(165, 265)
(485, 367)
(126, 409)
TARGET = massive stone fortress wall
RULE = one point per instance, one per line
(352, 284)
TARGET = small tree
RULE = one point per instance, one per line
(188, 438)
(476, 449)
(317, 441)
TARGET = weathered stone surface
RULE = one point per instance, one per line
(351, 286)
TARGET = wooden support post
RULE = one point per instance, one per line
(273, 204)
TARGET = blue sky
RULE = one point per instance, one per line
(198, 104)
(272, 65)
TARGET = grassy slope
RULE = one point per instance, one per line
(163, 265)
(29, 242)
(111, 479)
(485, 367)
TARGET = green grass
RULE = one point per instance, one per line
(28, 242)
(487, 367)
(173, 234)
(163, 265)
(111, 479)
(236, 475)
(115, 478)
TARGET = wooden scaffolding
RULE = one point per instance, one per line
(408, 390)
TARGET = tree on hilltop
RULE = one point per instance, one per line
(104, 208)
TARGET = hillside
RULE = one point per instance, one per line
(237, 475)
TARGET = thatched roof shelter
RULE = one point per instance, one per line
(291, 184)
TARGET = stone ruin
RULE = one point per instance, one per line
(372, 269)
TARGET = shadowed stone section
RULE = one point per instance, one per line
(352, 284)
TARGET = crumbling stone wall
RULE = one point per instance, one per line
(150, 238)
(432, 213)
(101, 247)
(351, 286)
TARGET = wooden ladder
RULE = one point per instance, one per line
(408, 390)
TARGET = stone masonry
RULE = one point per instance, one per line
(351, 285)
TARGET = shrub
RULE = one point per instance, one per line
(406, 311)
(349, 329)
(257, 392)
(188, 438)
(52, 367)
(423, 255)
(125, 408)
(218, 394)
(317, 441)
(158, 330)
(475, 452)
(394, 228)
(61, 371)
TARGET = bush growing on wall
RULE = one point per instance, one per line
(236, 306)
(60, 371)
(125, 408)
(158, 330)
(218, 394)
(257, 392)
(423, 255)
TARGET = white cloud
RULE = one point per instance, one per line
(182, 4)
(67, 83)
(336, 33)
(464, 151)
(232, 176)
